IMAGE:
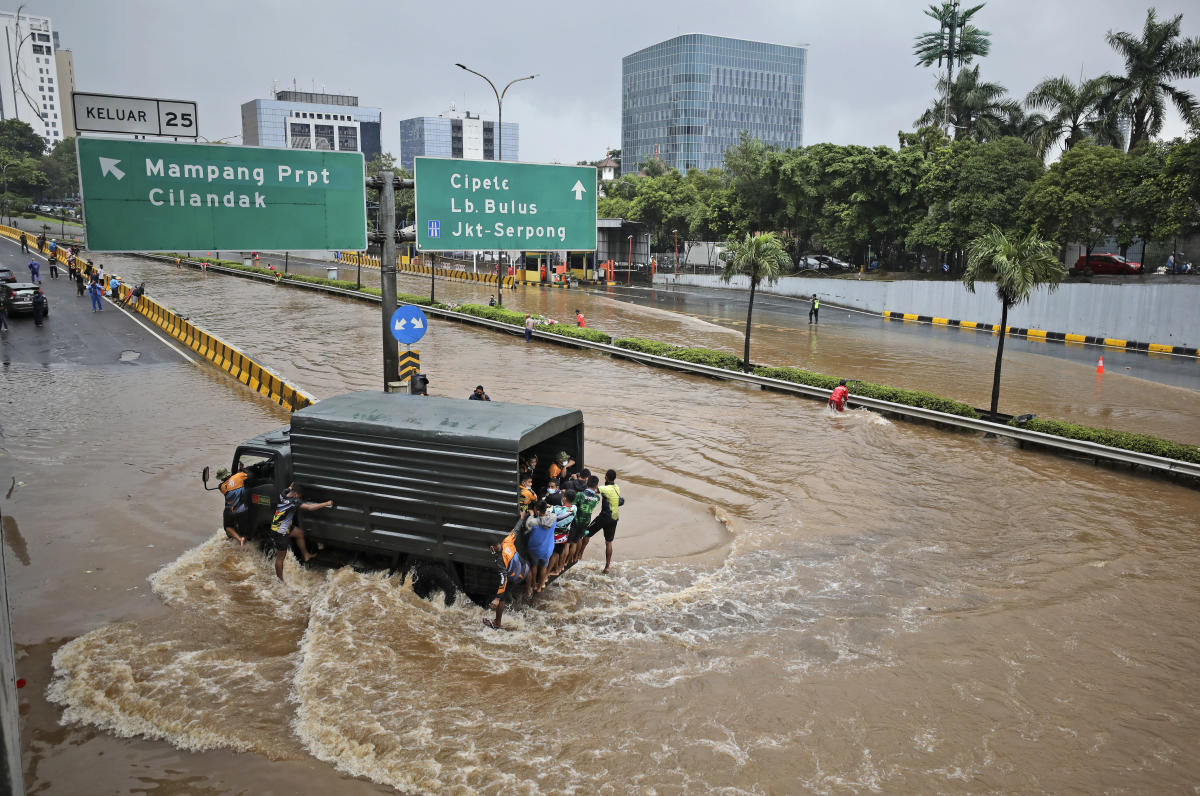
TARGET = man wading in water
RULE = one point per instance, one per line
(284, 526)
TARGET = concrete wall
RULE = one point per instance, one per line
(1167, 312)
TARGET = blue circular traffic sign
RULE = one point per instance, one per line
(408, 324)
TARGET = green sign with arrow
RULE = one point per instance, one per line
(165, 196)
(488, 205)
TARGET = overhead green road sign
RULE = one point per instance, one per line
(486, 204)
(163, 196)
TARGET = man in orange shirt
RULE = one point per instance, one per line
(236, 512)
(837, 399)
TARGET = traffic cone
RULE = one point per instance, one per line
(1100, 367)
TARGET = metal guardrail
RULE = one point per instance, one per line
(1091, 450)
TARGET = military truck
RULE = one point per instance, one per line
(418, 484)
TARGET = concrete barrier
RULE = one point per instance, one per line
(1163, 314)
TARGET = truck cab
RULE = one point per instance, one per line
(268, 461)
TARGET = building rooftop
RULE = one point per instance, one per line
(316, 98)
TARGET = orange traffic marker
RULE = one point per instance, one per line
(1100, 367)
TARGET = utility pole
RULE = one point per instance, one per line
(950, 42)
(387, 279)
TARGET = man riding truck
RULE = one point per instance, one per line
(512, 570)
(285, 526)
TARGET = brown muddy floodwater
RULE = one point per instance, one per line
(799, 602)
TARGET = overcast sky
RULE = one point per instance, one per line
(862, 86)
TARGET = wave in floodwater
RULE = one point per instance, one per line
(356, 670)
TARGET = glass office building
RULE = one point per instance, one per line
(307, 120)
(687, 99)
(456, 136)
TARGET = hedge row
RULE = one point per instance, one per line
(518, 319)
(880, 392)
(1126, 440)
(1141, 443)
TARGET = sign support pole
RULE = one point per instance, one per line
(387, 279)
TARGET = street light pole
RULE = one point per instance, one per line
(676, 252)
(499, 150)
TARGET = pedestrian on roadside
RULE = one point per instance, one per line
(114, 288)
(814, 310)
(3, 318)
(528, 327)
(41, 242)
(1171, 263)
(53, 248)
(491, 301)
(579, 321)
(35, 272)
(53, 262)
(135, 295)
(78, 282)
(24, 244)
(95, 291)
(39, 307)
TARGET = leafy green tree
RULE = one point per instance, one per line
(1153, 63)
(749, 163)
(1073, 113)
(19, 139)
(970, 188)
(1142, 197)
(1017, 265)
(406, 205)
(1181, 185)
(977, 110)
(757, 257)
(61, 169)
(1076, 199)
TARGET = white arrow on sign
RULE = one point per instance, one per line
(109, 166)
(401, 323)
(417, 323)
(579, 189)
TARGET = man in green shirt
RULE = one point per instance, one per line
(610, 504)
(814, 310)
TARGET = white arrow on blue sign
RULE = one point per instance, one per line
(408, 324)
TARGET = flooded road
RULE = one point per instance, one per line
(1146, 393)
(895, 608)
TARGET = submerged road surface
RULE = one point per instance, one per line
(1153, 394)
(893, 608)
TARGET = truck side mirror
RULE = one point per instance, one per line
(204, 476)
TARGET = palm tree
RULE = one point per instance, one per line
(1019, 124)
(1074, 113)
(1152, 63)
(759, 258)
(1017, 266)
(977, 110)
(955, 39)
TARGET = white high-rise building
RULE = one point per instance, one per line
(29, 84)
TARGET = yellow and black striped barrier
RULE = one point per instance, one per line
(1041, 334)
(219, 353)
(410, 364)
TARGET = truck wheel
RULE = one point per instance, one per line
(428, 578)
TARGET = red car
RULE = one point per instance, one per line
(1104, 264)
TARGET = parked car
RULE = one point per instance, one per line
(18, 297)
(828, 261)
(7, 275)
(1104, 264)
(808, 262)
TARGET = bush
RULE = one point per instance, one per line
(1126, 440)
(595, 335)
(697, 356)
(27, 214)
(492, 313)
